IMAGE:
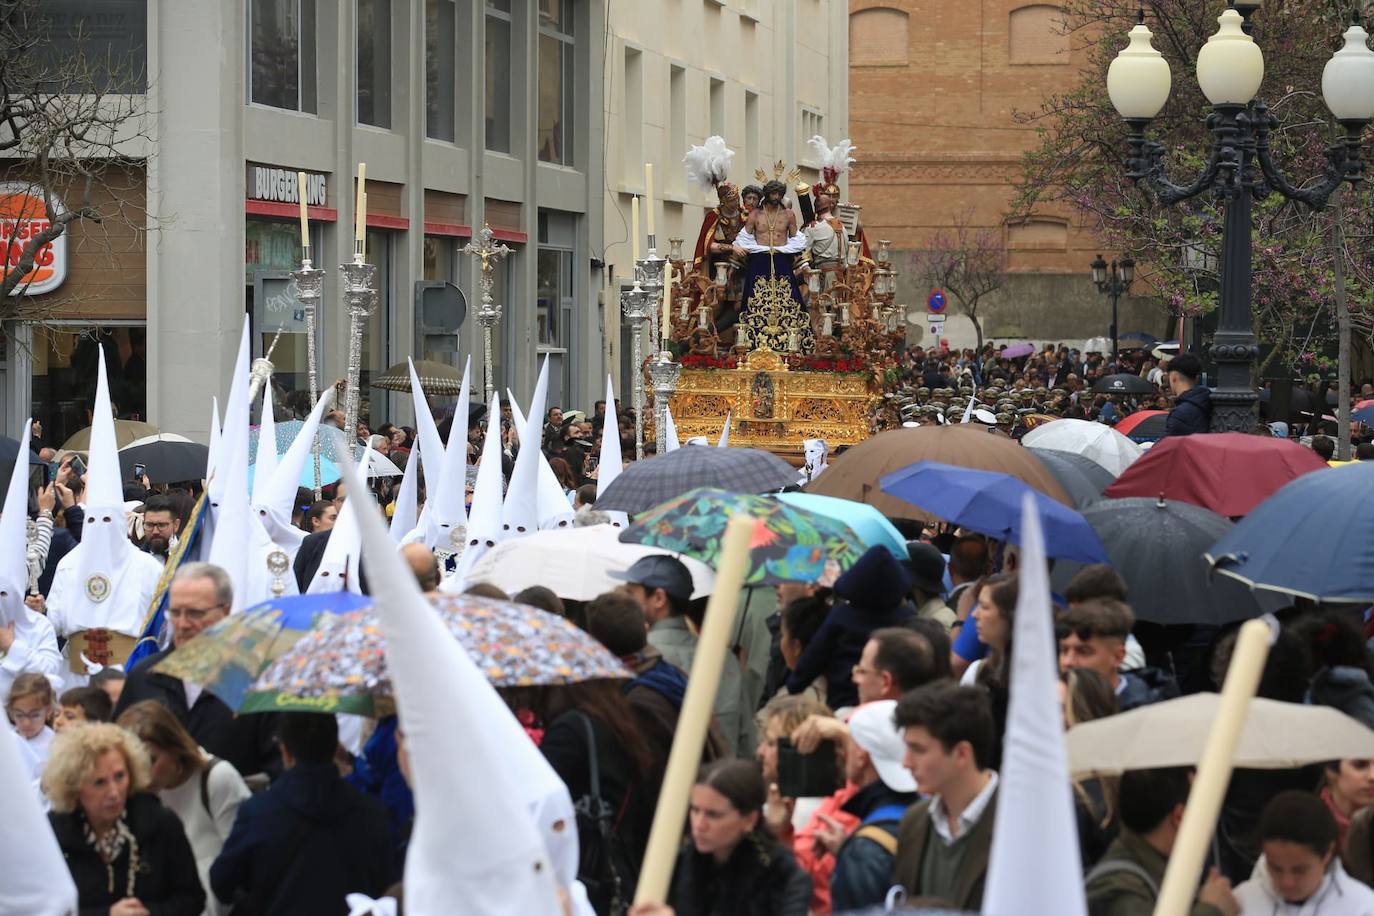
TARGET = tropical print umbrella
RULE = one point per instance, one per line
(230, 655)
(790, 544)
(340, 665)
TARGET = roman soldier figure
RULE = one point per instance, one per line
(715, 256)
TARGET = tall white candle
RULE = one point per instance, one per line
(649, 196)
(360, 215)
(305, 217)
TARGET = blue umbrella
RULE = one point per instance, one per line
(867, 522)
(1139, 337)
(990, 503)
(1313, 538)
(329, 472)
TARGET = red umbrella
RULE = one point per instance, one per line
(1131, 421)
(1229, 473)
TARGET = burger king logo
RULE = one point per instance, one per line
(23, 216)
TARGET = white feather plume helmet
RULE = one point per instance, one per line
(833, 159)
(709, 164)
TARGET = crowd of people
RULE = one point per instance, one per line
(853, 757)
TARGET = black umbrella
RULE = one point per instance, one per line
(645, 484)
(1124, 383)
(1157, 546)
(1082, 478)
(166, 458)
(9, 451)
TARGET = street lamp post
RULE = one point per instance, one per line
(1230, 69)
(1113, 280)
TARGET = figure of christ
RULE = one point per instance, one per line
(773, 305)
(715, 248)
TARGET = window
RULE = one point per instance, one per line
(677, 121)
(632, 117)
(812, 123)
(878, 37)
(440, 55)
(65, 356)
(751, 129)
(91, 45)
(717, 99)
(555, 300)
(498, 95)
(281, 54)
(376, 342)
(1036, 35)
(556, 81)
(374, 62)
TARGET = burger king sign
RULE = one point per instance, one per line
(23, 216)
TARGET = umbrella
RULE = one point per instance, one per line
(1081, 477)
(574, 562)
(1097, 345)
(1165, 350)
(1016, 351)
(1229, 473)
(1124, 383)
(126, 431)
(854, 474)
(1314, 538)
(1104, 445)
(1364, 412)
(438, 379)
(1143, 425)
(990, 503)
(340, 665)
(166, 458)
(230, 655)
(789, 545)
(331, 439)
(868, 523)
(645, 484)
(1173, 733)
(1133, 339)
(9, 451)
(1156, 545)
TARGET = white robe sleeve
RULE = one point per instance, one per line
(34, 651)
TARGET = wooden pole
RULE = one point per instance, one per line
(702, 683)
(1213, 772)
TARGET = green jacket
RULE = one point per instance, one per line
(678, 645)
(1116, 891)
(916, 831)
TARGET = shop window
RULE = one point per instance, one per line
(498, 68)
(374, 62)
(281, 54)
(65, 367)
(376, 342)
(440, 58)
(878, 37)
(555, 299)
(557, 81)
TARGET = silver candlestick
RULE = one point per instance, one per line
(489, 312)
(309, 282)
(664, 372)
(360, 299)
(649, 275)
(637, 307)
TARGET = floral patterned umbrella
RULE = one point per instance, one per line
(340, 665)
(790, 544)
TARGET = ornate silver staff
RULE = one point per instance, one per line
(361, 301)
(649, 275)
(664, 372)
(309, 282)
(637, 307)
(489, 312)
(262, 369)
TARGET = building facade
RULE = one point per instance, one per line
(467, 112)
(936, 87)
(764, 74)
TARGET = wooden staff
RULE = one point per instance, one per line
(1214, 772)
(685, 757)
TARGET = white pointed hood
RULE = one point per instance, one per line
(212, 453)
(14, 565)
(445, 509)
(427, 434)
(551, 504)
(233, 540)
(104, 549)
(274, 506)
(612, 462)
(33, 871)
(484, 521)
(238, 402)
(520, 514)
(474, 839)
(338, 570)
(265, 464)
(1034, 864)
(670, 441)
(407, 511)
(725, 432)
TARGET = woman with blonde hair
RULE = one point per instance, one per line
(128, 855)
(203, 791)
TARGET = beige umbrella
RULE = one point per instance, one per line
(438, 379)
(127, 432)
(1173, 733)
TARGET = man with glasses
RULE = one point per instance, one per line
(1092, 634)
(200, 595)
(161, 526)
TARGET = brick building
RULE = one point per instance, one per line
(934, 89)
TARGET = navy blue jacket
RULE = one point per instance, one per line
(874, 594)
(863, 868)
(304, 844)
(1192, 413)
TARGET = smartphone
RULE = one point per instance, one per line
(811, 775)
(139, 471)
(78, 466)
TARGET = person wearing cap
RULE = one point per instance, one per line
(663, 587)
(927, 567)
(873, 761)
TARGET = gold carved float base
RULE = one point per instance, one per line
(773, 407)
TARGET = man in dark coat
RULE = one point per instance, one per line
(1192, 411)
(200, 595)
(311, 839)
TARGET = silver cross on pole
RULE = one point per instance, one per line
(489, 312)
